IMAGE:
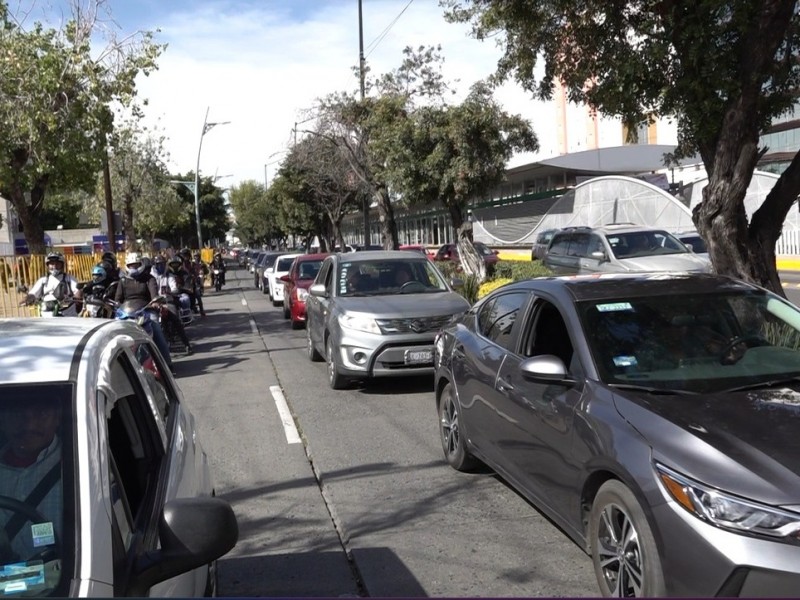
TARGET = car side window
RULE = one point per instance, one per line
(154, 368)
(559, 245)
(135, 456)
(497, 321)
(485, 318)
(548, 334)
(579, 245)
(595, 244)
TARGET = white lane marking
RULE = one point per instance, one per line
(253, 327)
(244, 302)
(292, 437)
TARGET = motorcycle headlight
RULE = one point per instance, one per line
(727, 511)
(360, 323)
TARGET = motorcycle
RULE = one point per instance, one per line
(217, 278)
(50, 306)
(99, 303)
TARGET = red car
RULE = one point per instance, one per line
(295, 287)
(450, 252)
(417, 248)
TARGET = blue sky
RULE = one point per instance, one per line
(261, 64)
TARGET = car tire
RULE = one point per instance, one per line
(264, 288)
(336, 380)
(313, 355)
(624, 552)
(454, 444)
(276, 302)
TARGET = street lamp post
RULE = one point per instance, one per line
(206, 128)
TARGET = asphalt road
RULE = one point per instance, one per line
(361, 502)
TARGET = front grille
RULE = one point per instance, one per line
(413, 324)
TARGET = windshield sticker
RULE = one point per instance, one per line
(614, 307)
(625, 361)
(19, 577)
(43, 534)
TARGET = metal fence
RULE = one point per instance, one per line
(21, 272)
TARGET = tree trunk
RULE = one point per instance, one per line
(28, 215)
(386, 218)
(127, 222)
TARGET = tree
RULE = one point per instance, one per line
(329, 186)
(724, 69)
(452, 154)
(256, 217)
(214, 218)
(63, 209)
(295, 216)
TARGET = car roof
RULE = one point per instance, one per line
(615, 285)
(310, 257)
(370, 255)
(611, 228)
(48, 349)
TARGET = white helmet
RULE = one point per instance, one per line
(132, 258)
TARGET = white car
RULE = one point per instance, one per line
(281, 267)
(104, 488)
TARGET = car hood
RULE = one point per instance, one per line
(743, 442)
(405, 305)
(667, 262)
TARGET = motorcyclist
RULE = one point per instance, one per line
(183, 278)
(56, 283)
(168, 286)
(100, 286)
(200, 270)
(111, 267)
(217, 263)
(140, 288)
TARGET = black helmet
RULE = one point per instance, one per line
(159, 259)
(111, 258)
(186, 253)
(175, 260)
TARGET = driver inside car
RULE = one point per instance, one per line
(30, 473)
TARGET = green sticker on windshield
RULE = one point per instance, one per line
(614, 307)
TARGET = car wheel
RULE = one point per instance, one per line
(624, 552)
(313, 355)
(453, 443)
(264, 287)
(336, 380)
(276, 302)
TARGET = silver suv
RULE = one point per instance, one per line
(620, 249)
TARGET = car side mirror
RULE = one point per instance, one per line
(598, 255)
(547, 369)
(193, 532)
(318, 290)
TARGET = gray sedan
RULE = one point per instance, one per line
(375, 314)
(653, 418)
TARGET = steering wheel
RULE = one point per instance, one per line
(751, 340)
(31, 514)
(409, 284)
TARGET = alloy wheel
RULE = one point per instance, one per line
(620, 552)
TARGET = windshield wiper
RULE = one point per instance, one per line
(764, 384)
(651, 390)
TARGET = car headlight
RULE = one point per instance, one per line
(360, 323)
(301, 294)
(729, 512)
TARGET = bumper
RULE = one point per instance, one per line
(277, 292)
(365, 355)
(702, 560)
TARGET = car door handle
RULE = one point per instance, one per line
(504, 386)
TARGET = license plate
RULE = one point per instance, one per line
(419, 357)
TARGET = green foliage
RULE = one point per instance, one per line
(55, 100)
(471, 288)
(63, 209)
(520, 269)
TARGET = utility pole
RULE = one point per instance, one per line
(361, 81)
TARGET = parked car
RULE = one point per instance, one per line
(619, 249)
(375, 314)
(450, 252)
(258, 268)
(266, 268)
(116, 502)
(652, 417)
(417, 248)
(283, 263)
(540, 244)
(295, 287)
(265, 260)
(253, 260)
(693, 240)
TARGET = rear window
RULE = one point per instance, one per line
(284, 264)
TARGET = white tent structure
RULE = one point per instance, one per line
(620, 199)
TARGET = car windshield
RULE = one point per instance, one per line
(389, 276)
(35, 489)
(284, 264)
(695, 343)
(644, 243)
